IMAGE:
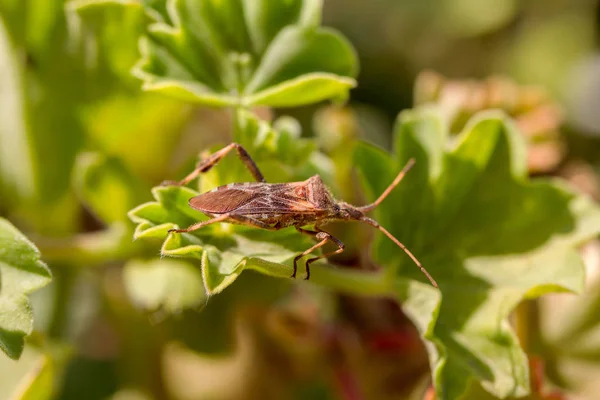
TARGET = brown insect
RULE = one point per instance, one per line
(275, 206)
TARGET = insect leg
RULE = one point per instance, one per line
(331, 238)
(202, 224)
(309, 233)
(206, 164)
(323, 238)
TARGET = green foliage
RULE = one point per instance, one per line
(169, 285)
(488, 235)
(242, 52)
(38, 152)
(442, 212)
(30, 378)
(117, 115)
(78, 132)
(66, 77)
(215, 257)
(21, 272)
(224, 251)
(106, 187)
(280, 149)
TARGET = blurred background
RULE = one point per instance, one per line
(85, 113)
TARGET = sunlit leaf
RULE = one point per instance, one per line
(487, 234)
(21, 272)
(223, 250)
(237, 52)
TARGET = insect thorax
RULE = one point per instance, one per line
(318, 194)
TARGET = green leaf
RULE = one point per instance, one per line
(66, 82)
(41, 136)
(487, 234)
(223, 250)
(240, 52)
(48, 58)
(106, 186)
(113, 26)
(306, 89)
(16, 172)
(281, 154)
(146, 142)
(21, 272)
(166, 284)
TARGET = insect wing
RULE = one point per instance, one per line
(256, 198)
(223, 200)
(285, 198)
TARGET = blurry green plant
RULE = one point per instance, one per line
(245, 53)
(490, 236)
(21, 272)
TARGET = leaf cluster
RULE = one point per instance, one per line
(491, 236)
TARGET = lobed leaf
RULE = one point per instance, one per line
(222, 250)
(487, 234)
(281, 153)
(240, 52)
(21, 272)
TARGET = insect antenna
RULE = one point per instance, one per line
(387, 191)
(403, 247)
